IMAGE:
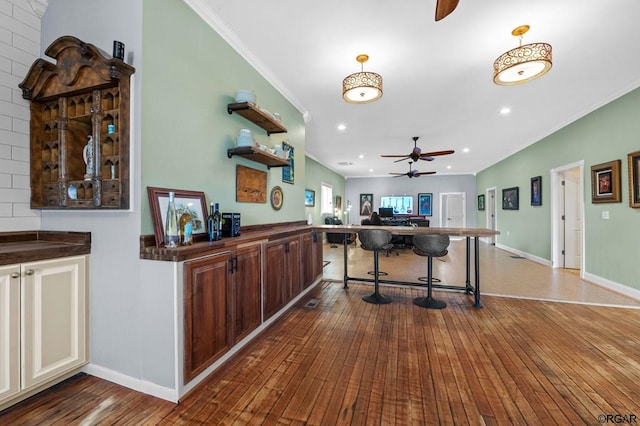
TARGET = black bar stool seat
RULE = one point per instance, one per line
(375, 240)
(430, 246)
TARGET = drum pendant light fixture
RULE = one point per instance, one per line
(362, 87)
(522, 64)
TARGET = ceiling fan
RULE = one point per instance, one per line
(444, 8)
(416, 153)
(412, 172)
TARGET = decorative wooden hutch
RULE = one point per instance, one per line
(79, 128)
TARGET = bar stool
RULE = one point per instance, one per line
(430, 246)
(375, 240)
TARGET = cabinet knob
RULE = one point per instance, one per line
(15, 275)
(30, 272)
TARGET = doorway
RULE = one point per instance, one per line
(490, 206)
(453, 210)
(567, 210)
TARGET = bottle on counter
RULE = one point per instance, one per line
(217, 219)
(186, 228)
(171, 231)
(211, 227)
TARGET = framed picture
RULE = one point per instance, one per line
(309, 198)
(536, 191)
(194, 201)
(481, 202)
(366, 204)
(605, 182)
(338, 202)
(288, 172)
(277, 198)
(424, 204)
(634, 179)
(510, 198)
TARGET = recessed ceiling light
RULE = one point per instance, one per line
(361, 156)
(342, 127)
(448, 167)
(505, 110)
(371, 170)
(465, 150)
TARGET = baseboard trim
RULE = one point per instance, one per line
(526, 255)
(634, 293)
(131, 382)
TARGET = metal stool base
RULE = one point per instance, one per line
(377, 298)
(430, 303)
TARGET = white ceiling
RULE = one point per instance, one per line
(437, 75)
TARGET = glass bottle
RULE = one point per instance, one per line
(217, 219)
(186, 227)
(211, 227)
(171, 233)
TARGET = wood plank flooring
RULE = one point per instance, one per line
(514, 361)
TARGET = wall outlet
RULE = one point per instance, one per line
(605, 215)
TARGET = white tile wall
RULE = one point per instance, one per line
(19, 47)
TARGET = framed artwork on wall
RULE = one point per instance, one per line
(634, 179)
(536, 191)
(511, 198)
(288, 172)
(481, 202)
(309, 198)
(366, 204)
(338, 204)
(424, 204)
(605, 182)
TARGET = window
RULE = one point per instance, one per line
(326, 199)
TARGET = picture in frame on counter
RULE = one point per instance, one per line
(195, 201)
(288, 171)
(634, 179)
(605, 182)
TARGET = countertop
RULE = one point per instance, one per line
(29, 246)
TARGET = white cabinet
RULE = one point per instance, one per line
(43, 324)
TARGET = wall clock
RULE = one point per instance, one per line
(276, 198)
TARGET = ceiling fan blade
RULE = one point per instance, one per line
(402, 159)
(391, 156)
(444, 8)
(436, 153)
(424, 173)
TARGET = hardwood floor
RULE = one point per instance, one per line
(344, 361)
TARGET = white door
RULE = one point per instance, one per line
(453, 210)
(9, 331)
(572, 220)
(53, 318)
(490, 205)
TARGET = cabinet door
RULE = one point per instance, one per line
(293, 251)
(317, 254)
(54, 318)
(311, 257)
(9, 331)
(207, 323)
(275, 281)
(247, 291)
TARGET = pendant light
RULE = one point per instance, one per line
(362, 87)
(522, 64)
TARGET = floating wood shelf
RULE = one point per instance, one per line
(259, 156)
(252, 113)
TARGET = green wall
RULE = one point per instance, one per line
(606, 134)
(189, 75)
(316, 174)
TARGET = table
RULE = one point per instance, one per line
(468, 233)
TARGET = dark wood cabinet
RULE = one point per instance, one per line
(312, 257)
(79, 131)
(283, 273)
(222, 303)
(206, 312)
(247, 291)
